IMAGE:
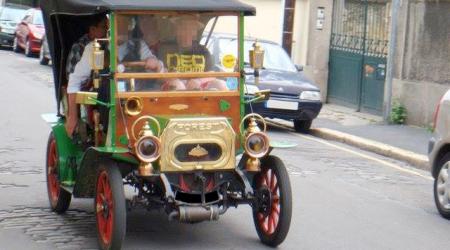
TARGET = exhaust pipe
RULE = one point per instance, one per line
(187, 214)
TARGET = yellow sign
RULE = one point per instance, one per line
(186, 63)
(229, 61)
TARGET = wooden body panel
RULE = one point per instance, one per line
(191, 105)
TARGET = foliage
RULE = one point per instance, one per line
(398, 113)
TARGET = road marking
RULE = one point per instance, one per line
(383, 162)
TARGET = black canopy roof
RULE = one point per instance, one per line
(65, 21)
(94, 6)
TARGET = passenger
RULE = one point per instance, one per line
(97, 29)
(187, 55)
(133, 48)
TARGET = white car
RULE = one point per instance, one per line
(439, 155)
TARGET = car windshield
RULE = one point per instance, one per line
(11, 14)
(163, 52)
(38, 18)
(274, 55)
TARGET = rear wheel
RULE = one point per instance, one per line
(302, 126)
(42, 59)
(442, 187)
(28, 51)
(16, 47)
(110, 207)
(273, 211)
(58, 197)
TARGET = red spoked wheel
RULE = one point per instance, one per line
(110, 207)
(59, 198)
(273, 208)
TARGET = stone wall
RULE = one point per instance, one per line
(318, 49)
(422, 72)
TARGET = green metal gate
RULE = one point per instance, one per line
(358, 52)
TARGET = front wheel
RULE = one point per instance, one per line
(302, 126)
(58, 197)
(273, 210)
(109, 204)
(28, 51)
(16, 47)
(442, 187)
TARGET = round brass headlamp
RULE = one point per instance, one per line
(257, 145)
(133, 106)
(148, 149)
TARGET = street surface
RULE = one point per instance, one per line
(343, 198)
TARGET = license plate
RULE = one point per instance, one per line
(275, 104)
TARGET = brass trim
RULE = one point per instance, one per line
(86, 98)
(198, 151)
(264, 151)
(251, 128)
(178, 94)
(178, 107)
(175, 75)
(133, 106)
(151, 118)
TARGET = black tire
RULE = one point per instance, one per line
(58, 197)
(302, 126)
(16, 47)
(42, 59)
(28, 51)
(439, 181)
(273, 235)
(112, 205)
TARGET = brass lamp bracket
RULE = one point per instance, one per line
(146, 130)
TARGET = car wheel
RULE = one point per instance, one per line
(442, 187)
(302, 126)
(58, 197)
(109, 205)
(273, 211)
(28, 51)
(16, 47)
(42, 59)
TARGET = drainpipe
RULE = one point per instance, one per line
(288, 25)
(390, 60)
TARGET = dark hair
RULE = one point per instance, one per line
(94, 20)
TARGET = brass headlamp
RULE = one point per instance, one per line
(147, 146)
(256, 144)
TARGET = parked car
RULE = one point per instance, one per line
(293, 96)
(44, 52)
(439, 155)
(29, 33)
(10, 16)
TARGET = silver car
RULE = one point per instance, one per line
(439, 155)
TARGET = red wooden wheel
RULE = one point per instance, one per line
(105, 208)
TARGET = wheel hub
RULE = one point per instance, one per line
(264, 200)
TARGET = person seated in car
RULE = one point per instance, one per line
(132, 47)
(187, 55)
(97, 29)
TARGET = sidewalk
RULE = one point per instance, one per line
(369, 132)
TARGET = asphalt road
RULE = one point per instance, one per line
(342, 198)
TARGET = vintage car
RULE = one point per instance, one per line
(158, 119)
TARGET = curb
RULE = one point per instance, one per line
(416, 160)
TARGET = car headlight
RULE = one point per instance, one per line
(310, 95)
(257, 145)
(250, 89)
(148, 149)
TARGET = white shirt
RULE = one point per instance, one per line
(83, 69)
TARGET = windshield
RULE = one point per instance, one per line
(38, 18)
(164, 52)
(11, 14)
(274, 55)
